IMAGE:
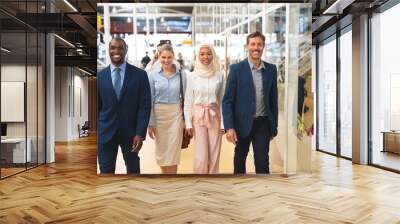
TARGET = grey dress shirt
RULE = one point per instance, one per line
(257, 79)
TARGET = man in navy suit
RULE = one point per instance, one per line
(124, 105)
(250, 106)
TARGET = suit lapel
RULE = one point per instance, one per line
(249, 75)
(109, 83)
(127, 77)
(264, 73)
(266, 76)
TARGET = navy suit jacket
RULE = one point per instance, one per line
(239, 101)
(130, 115)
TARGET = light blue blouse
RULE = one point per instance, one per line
(165, 90)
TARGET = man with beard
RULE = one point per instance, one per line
(250, 106)
(124, 105)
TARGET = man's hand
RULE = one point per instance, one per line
(137, 143)
(152, 132)
(231, 136)
(189, 132)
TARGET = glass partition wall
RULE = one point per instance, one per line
(22, 87)
(334, 94)
(334, 113)
(326, 129)
(346, 93)
(385, 90)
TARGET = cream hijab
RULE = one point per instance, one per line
(206, 71)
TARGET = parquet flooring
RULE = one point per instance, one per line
(70, 191)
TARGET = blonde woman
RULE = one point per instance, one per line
(166, 121)
(203, 118)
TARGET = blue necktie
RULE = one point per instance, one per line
(117, 82)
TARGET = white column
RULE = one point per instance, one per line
(360, 90)
(50, 94)
(264, 19)
(155, 23)
(107, 31)
(286, 142)
(147, 21)
(135, 34)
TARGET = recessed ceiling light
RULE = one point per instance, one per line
(64, 40)
(5, 49)
(70, 5)
(337, 7)
(86, 72)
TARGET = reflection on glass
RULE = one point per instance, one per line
(274, 52)
(345, 94)
(300, 117)
(327, 97)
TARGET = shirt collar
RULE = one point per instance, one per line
(252, 66)
(160, 70)
(122, 66)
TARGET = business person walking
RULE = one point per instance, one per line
(124, 105)
(166, 122)
(250, 106)
(202, 110)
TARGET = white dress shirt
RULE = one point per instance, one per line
(200, 90)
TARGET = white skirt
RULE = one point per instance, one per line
(169, 128)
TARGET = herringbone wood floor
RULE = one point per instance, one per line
(70, 191)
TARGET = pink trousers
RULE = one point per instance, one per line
(206, 123)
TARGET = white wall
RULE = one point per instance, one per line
(71, 93)
(61, 103)
(12, 73)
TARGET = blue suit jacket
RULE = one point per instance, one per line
(130, 115)
(239, 101)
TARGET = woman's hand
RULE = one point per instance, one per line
(189, 132)
(152, 132)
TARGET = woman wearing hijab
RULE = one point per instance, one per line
(166, 120)
(204, 92)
